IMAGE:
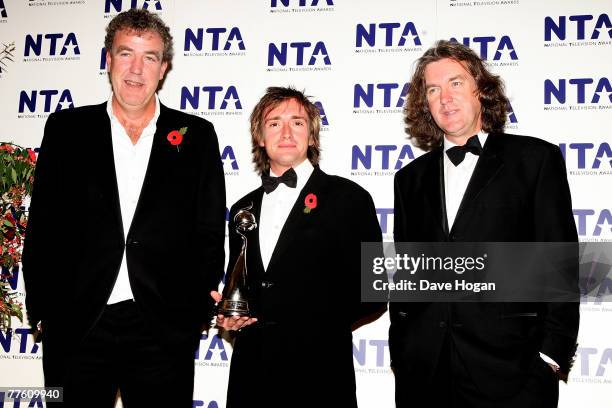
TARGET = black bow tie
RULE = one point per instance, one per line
(456, 154)
(270, 183)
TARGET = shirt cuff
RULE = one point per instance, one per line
(549, 360)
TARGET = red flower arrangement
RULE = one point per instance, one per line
(175, 137)
(16, 178)
(311, 203)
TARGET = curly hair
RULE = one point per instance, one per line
(273, 97)
(420, 125)
(139, 20)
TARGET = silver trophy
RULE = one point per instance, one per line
(235, 300)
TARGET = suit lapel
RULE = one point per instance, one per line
(104, 174)
(297, 219)
(487, 167)
(435, 190)
(163, 154)
(253, 248)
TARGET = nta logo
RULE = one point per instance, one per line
(34, 44)
(2, 10)
(391, 33)
(589, 355)
(583, 88)
(192, 96)
(383, 155)
(580, 28)
(576, 155)
(585, 216)
(216, 37)
(324, 121)
(501, 46)
(118, 5)
(228, 156)
(33, 100)
(280, 53)
(301, 3)
(391, 93)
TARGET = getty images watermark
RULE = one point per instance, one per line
(486, 272)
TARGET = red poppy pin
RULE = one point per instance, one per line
(311, 203)
(175, 137)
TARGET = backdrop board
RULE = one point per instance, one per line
(355, 58)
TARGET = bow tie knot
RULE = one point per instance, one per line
(456, 154)
(269, 183)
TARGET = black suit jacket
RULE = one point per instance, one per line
(306, 300)
(75, 238)
(518, 193)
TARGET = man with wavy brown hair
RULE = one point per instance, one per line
(477, 184)
(303, 265)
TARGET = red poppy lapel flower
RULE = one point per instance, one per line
(311, 203)
(175, 137)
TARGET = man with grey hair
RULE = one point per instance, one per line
(124, 311)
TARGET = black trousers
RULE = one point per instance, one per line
(453, 387)
(119, 355)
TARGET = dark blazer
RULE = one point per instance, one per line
(518, 193)
(306, 301)
(75, 238)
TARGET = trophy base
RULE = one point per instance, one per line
(230, 307)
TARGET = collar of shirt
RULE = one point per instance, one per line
(303, 171)
(457, 178)
(148, 131)
(482, 138)
(275, 209)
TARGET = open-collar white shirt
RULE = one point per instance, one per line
(131, 161)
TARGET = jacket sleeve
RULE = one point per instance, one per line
(44, 220)
(554, 222)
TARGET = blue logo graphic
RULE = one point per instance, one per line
(300, 3)
(582, 27)
(52, 43)
(382, 156)
(228, 156)
(379, 348)
(392, 34)
(383, 214)
(227, 98)
(502, 46)
(593, 361)
(16, 341)
(324, 121)
(211, 404)
(301, 53)
(2, 10)
(511, 114)
(218, 38)
(103, 59)
(119, 4)
(584, 219)
(13, 276)
(391, 93)
(585, 90)
(215, 349)
(48, 98)
(576, 154)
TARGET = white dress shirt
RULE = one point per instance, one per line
(456, 179)
(275, 208)
(131, 162)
